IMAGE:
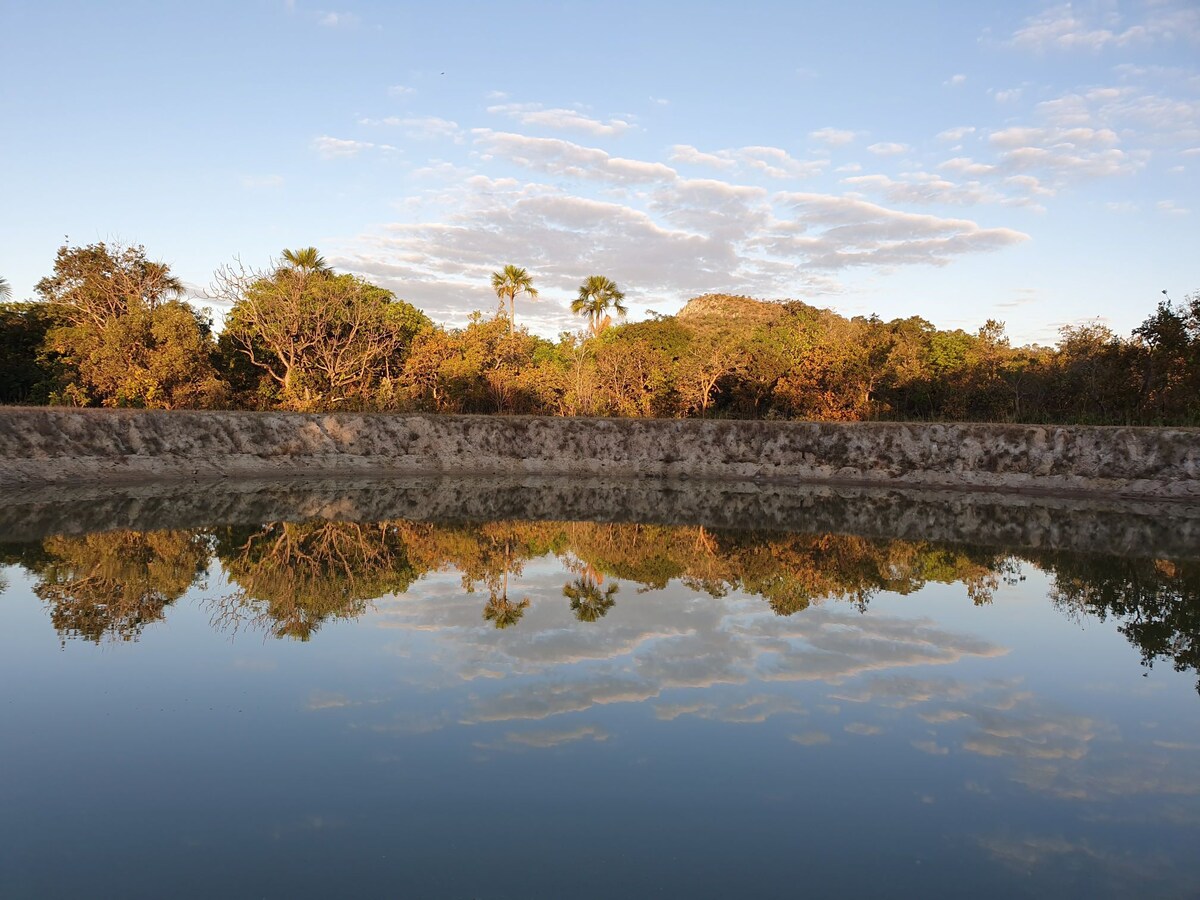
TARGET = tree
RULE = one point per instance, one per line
(27, 370)
(5, 289)
(507, 283)
(124, 333)
(95, 284)
(323, 339)
(597, 295)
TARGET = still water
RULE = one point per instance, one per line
(706, 698)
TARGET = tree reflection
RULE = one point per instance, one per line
(589, 601)
(112, 585)
(293, 577)
(1156, 601)
(289, 578)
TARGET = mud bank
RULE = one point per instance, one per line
(59, 446)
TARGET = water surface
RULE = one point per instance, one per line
(703, 699)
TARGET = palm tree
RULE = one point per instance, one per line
(509, 282)
(5, 288)
(596, 297)
(307, 261)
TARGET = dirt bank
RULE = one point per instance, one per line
(62, 446)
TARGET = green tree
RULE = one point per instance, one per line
(124, 333)
(28, 371)
(507, 283)
(598, 295)
(323, 339)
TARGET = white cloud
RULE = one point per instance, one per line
(1011, 95)
(774, 162)
(926, 188)
(328, 147)
(1067, 27)
(834, 137)
(424, 128)
(573, 120)
(1068, 153)
(964, 165)
(831, 232)
(554, 156)
(337, 19)
(956, 134)
(888, 149)
(956, 80)
(1171, 208)
(401, 90)
(689, 155)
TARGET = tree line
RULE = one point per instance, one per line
(111, 327)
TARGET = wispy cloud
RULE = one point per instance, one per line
(834, 137)
(1070, 27)
(534, 114)
(422, 128)
(328, 147)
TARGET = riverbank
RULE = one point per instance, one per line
(67, 446)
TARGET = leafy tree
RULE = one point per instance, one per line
(124, 334)
(324, 339)
(598, 295)
(96, 284)
(28, 372)
(507, 283)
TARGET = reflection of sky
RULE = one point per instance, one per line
(926, 744)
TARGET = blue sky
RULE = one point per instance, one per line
(1031, 162)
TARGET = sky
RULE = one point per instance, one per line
(1030, 162)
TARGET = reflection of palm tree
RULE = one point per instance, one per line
(588, 601)
(502, 612)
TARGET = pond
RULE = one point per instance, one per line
(585, 689)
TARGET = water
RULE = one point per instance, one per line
(712, 691)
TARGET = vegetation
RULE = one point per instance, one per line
(111, 328)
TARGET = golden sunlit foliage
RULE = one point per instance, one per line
(113, 330)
